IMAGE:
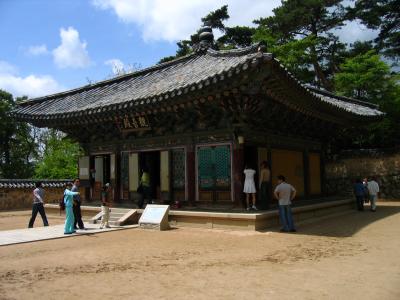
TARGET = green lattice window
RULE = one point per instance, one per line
(178, 169)
(214, 167)
(125, 170)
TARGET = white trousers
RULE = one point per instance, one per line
(105, 217)
(373, 199)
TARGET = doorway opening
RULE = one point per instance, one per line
(100, 174)
(251, 159)
(150, 161)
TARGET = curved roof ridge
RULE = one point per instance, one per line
(215, 53)
(343, 98)
(234, 52)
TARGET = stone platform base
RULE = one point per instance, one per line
(239, 220)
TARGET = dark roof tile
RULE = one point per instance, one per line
(165, 81)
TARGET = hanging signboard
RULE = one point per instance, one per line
(130, 123)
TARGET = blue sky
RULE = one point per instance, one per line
(52, 45)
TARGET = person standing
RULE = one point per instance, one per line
(366, 191)
(285, 194)
(38, 205)
(373, 190)
(69, 213)
(105, 206)
(249, 187)
(359, 192)
(145, 181)
(265, 177)
(77, 206)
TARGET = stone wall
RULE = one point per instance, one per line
(342, 170)
(17, 194)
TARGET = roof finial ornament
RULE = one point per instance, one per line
(206, 39)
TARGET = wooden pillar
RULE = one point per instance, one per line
(117, 184)
(190, 174)
(238, 166)
(91, 176)
(323, 173)
(271, 179)
(306, 164)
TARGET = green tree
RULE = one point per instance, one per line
(214, 19)
(367, 77)
(307, 24)
(236, 37)
(60, 157)
(18, 148)
(364, 76)
(383, 15)
(357, 48)
(294, 54)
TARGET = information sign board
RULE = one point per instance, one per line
(155, 216)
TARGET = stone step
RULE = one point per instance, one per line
(116, 216)
(120, 210)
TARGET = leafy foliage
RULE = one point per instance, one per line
(367, 77)
(17, 147)
(236, 37)
(215, 19)
(60, 157)
(364, 76)
(307, 26)
(383, 15)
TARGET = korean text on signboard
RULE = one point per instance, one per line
(132, 123)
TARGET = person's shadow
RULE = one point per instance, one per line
(348, 224)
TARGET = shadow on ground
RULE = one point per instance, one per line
(347, 224)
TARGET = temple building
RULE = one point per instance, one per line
(195, 122)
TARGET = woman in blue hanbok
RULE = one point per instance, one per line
(69, 213)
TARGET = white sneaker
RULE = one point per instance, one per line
(254, 207)
(248, 208)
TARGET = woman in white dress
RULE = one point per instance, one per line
(250, 187)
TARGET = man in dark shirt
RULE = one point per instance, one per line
(359, 192)
(77, 206)
(38, 205)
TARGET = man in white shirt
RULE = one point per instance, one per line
(373, 190)
(285, 193)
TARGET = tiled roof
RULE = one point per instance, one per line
(167, 81)
(354, 106)
(30, 183)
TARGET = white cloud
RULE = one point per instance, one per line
(116, 65)
(31, 86)
(72, 52)
(37, 50)
(177, 19)
(6, 68)
(355, 31)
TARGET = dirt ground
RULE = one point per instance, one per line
(352, 256)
